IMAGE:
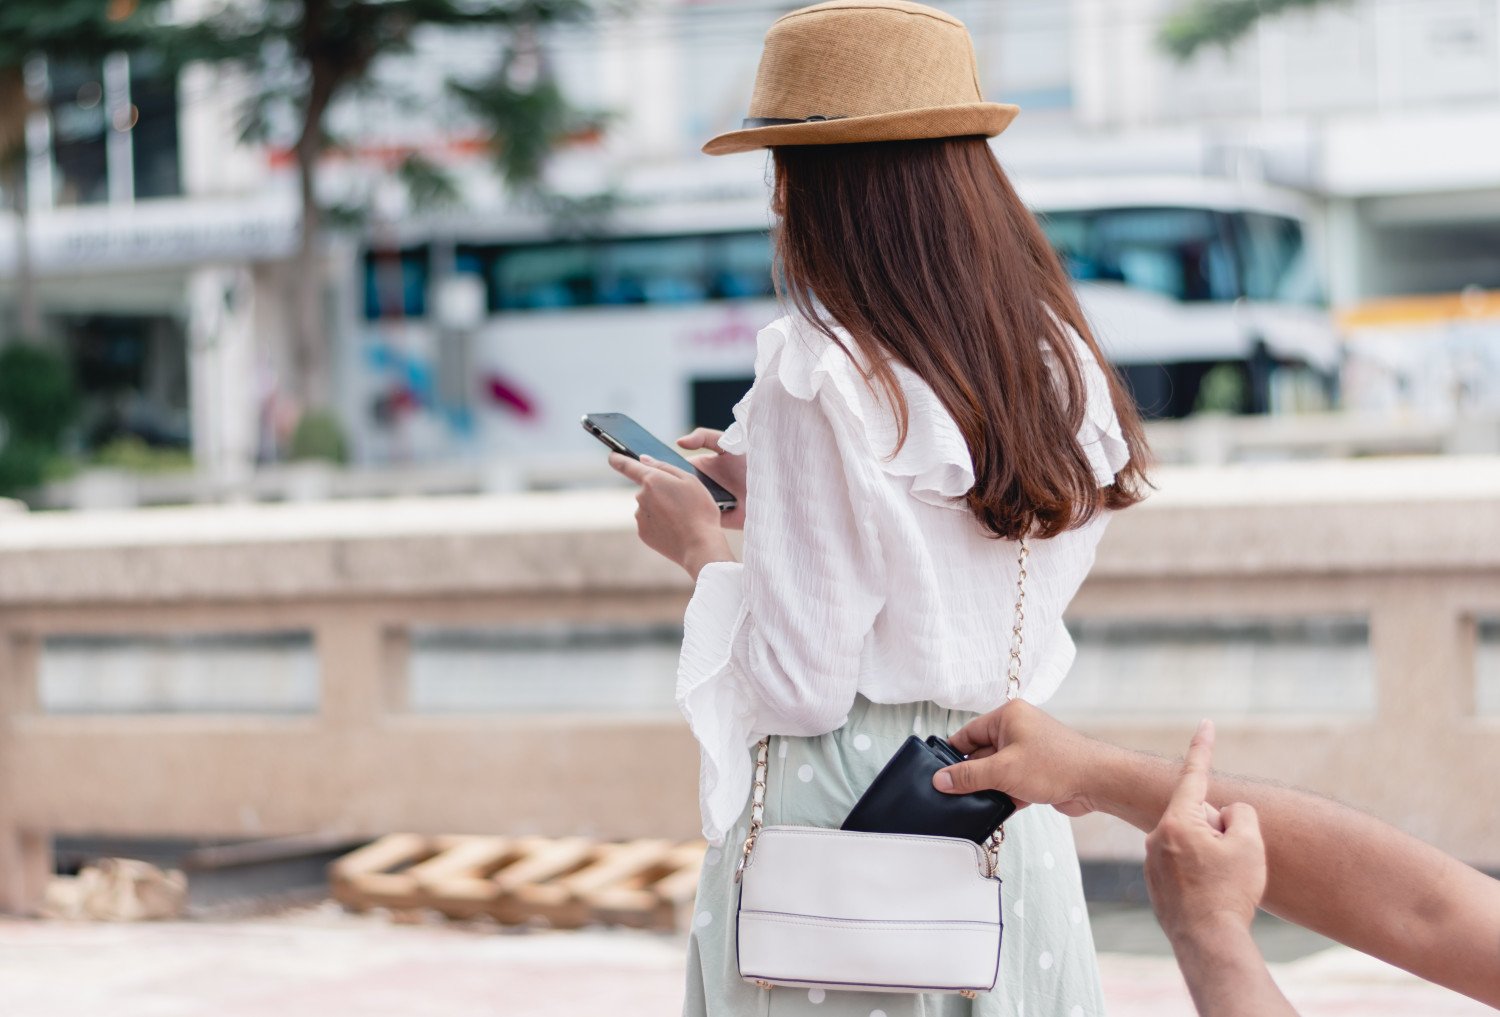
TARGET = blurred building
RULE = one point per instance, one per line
(1332, 157)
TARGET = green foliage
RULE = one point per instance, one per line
(24, 466)
(38, 403)
(78, 29)
(133, 454)
(307, 54)
(1221, 22)
(429, 187)
(528, 119)
(319, 436)
(1224, 389)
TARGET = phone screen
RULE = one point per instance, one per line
(635, 441)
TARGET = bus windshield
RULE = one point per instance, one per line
(1186, 254)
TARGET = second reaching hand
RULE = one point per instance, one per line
(1329, 868)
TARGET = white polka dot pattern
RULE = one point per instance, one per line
(815, 996)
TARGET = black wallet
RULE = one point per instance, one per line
(903, 800)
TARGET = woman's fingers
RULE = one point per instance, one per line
(628, 467)
(639, 469)
(701, 437)
(676, 471)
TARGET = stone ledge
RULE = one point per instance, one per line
(1437, 515)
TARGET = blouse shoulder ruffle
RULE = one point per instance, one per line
(934, 459)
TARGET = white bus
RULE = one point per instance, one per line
(1201, 293)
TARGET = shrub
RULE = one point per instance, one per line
(133, 454)
(38, 403)
(319, 436)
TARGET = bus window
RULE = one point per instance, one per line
(1276, 265)
(1068, 232)
(742, 267)
(396, 283)
(1178, 252)
(616, 272)
(656, 271)
(546, 277)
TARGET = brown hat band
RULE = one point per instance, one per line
(750, 122)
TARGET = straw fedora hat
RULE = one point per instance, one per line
(865, 70)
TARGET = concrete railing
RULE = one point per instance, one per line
(1202, 440)
(1412, 547)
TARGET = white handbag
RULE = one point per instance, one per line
(837, 909)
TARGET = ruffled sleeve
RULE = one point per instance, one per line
(774, 645)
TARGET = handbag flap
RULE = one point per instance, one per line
(838, 874)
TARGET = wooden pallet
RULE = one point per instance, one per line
(567, 883)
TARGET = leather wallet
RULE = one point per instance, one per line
(903, 800)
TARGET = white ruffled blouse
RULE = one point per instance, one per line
(863, 573)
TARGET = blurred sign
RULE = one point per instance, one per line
(175, 234)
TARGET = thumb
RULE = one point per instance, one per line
(700, 437)
(1240, 821)
(963, 778)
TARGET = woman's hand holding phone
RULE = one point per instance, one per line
(675, 515)
(726, 470)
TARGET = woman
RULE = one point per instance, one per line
(933, 396)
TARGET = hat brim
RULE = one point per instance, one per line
(983, 118)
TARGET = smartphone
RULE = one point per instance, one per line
(626, 437)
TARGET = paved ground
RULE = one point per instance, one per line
(319, 962)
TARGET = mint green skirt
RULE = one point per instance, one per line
(1047, 962)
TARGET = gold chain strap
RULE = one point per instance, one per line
(757, 804)
(1017, 637)
(1012, 679)
(1012, 690)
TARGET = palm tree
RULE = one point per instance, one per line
(333, 45)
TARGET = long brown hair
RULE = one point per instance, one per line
(925, 255)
